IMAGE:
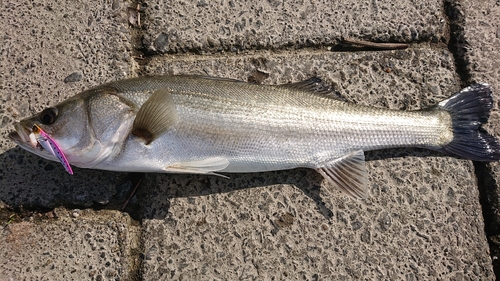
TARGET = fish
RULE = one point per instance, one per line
(46, 142)
(214, 126)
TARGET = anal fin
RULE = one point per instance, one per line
(348, 173)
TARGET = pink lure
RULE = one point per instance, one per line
(51, 146)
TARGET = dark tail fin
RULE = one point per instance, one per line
(469, 109)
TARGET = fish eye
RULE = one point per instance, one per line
(48, 116)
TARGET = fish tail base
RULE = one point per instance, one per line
(469, 109)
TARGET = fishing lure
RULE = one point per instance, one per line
(47, 143)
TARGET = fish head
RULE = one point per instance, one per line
(61, 122)
(86, 127)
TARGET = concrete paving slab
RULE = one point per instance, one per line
(70, 245)
(481, 37)
(51, 51)
(212, 26)
(423, 220)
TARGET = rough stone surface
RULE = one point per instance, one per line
(69, 245)
(428, 230)
(423, 220)
(201, 26)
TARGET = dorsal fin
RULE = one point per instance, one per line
(316, 86)
(156, 115)
(213, 78)
(313, 84)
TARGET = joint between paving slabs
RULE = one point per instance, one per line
(486, 183)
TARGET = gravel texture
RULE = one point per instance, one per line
(70, 245)
(482, 64)
(212, 26)
(423, 220)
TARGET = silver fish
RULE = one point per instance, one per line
(205, 125)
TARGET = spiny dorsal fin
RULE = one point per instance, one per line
(348, 173)
(156, 115)
(213, 78)
(204, 166)
(314, 84)
(106, 90)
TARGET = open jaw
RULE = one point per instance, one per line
(37, 141)
(23, 136)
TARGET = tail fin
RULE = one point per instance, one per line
(469, 109)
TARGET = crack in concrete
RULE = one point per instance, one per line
(486, 183)
(456, 43)
(143, 53)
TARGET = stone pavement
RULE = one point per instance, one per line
(428, 216)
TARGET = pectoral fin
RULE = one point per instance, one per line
(156, 115)
(348, 173)
(206, 166)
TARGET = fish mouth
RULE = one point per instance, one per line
(15, 137)
(23, 135)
